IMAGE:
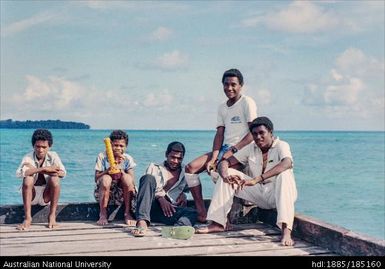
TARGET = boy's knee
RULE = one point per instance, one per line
(147, 179)
(54, 181)
(28, 181)
(105, 181)
(189, 169)
(128, 180)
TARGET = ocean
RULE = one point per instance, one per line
(339, 175)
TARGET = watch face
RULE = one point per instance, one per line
(233, 149)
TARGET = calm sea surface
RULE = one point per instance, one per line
(339, 175)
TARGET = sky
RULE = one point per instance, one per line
(315, 65)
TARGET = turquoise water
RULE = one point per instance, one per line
(339, 175)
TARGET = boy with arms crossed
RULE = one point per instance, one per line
(41, 171)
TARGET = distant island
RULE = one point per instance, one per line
(46, 124)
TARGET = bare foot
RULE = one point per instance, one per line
(25, 225)
(52, 224)
(211, 228)
(140, 230)
(102, 220)
(286, 238)
(129, 220)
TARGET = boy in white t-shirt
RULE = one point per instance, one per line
(233, 120)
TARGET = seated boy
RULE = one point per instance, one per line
(161, 196)
(41, 171)
(115, 189)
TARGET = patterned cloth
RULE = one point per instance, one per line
(116, 195)
(116, 191)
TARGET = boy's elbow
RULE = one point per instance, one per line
(287, 163)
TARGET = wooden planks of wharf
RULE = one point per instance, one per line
(85, 238)
(255, 227)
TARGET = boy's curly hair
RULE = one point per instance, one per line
(119, 134)
(175, 146)
(42, 134)
(265, 121)
(233, 73)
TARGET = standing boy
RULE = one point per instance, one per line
(41, 171)
(115, 189)
(233, 120)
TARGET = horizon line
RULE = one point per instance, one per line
(196, 130)
(213, 130)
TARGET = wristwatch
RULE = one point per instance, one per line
(234, 149)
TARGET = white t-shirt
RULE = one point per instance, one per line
(251, 156)
(52, 158)
(102, 163)
(235, 119)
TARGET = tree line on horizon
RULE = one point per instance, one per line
(47, 124)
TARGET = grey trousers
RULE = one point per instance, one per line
(148, 209)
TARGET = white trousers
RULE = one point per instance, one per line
(280, 192)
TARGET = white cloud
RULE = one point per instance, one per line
(58, 96)
(96, 4)
(354, 62)
(35, 89)
(25, 24)
(336, 76)
(161, 34)
(351, 99)
(158, 100)
(349, 58)
(302, 17)
(53, 94)
(343, 94)
(321, 16)
(108, 4)
(350, 90)
(158, 6)
(298, 17)
(172, 60)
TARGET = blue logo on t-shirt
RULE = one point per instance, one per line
(235, 119)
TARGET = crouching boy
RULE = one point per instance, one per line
(41, 171)
(115, 189)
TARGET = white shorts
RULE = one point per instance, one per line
(214, 176)
(39, 197)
